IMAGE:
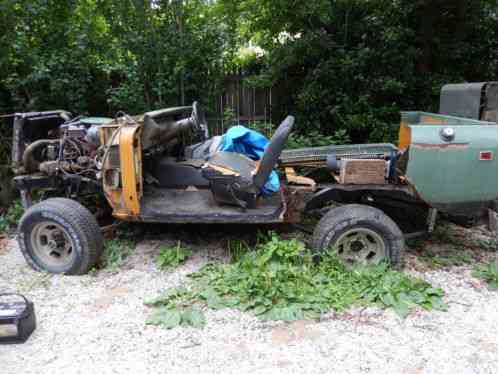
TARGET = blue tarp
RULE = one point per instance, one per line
(251, 143)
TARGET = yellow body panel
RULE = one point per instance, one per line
(122, 181)
(404, 139)
(131, 168)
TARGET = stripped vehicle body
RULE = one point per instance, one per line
(163, 167)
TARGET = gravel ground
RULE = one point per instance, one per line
(95, 324)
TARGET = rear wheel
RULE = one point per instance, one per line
(60, 236)
(359, 234)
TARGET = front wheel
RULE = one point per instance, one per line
(359, 234)
(60, 236)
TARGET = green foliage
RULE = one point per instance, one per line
(315, 139)
(171, 318)
(237, 249)
(279, 280)
(448, 259)
(11, 217)
(354, 65)
(171, 257)
(229, 115)
(102, 56)
(488, 272)
(490, 245)
(344, 68)
(116, 251)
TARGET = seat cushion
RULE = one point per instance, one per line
(172, 174)
(204, 150)
(239, 164)
(231, 179)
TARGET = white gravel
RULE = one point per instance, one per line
(95, 324)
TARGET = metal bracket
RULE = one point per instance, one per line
(492, 220)
(26, 199)
(431, 219)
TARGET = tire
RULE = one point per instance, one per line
(355, 232)
(60, 236)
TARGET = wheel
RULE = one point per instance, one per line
(60, 236)
(359, 234)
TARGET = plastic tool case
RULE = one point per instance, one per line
(17, 318)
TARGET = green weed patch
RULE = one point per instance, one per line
(489, 273)
(171, 257)
(280, 280)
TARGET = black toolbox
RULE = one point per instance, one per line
(17, 318)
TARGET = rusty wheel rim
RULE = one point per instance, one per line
(361, 246)
(52, 245)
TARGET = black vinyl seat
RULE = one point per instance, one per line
(236, 179)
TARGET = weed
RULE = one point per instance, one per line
(237, 249)
(115, 252)
(171, 257)
(170, 318)
(280, 281)
(489, 273)
(416, 244)
(490, 245)
(457, 258)
(447, 234)
(9, 220)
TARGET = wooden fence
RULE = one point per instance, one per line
(242, 104)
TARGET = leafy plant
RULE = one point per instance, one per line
(316, 139)
(280, 281)
(116, 251)
(171, 318)
(490, 245)
(489, 273)
(455, 258)
(237, 249)
(170, 257)
(229, 115)
(11, 217)
(447, 234)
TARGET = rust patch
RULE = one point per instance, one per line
(432, 120)
(294, 199)
(441, 146)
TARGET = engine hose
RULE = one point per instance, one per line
(29, 161)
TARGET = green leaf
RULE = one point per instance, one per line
(290, 313)
(166, 318)
(438, 304)
(193, 317)
(259, 310)
(402, 309)
(388, 299)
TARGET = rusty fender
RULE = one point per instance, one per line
(442, 147)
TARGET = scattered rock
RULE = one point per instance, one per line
(97, 324)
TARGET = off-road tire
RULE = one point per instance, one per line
(341, 219)
(78, 223)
